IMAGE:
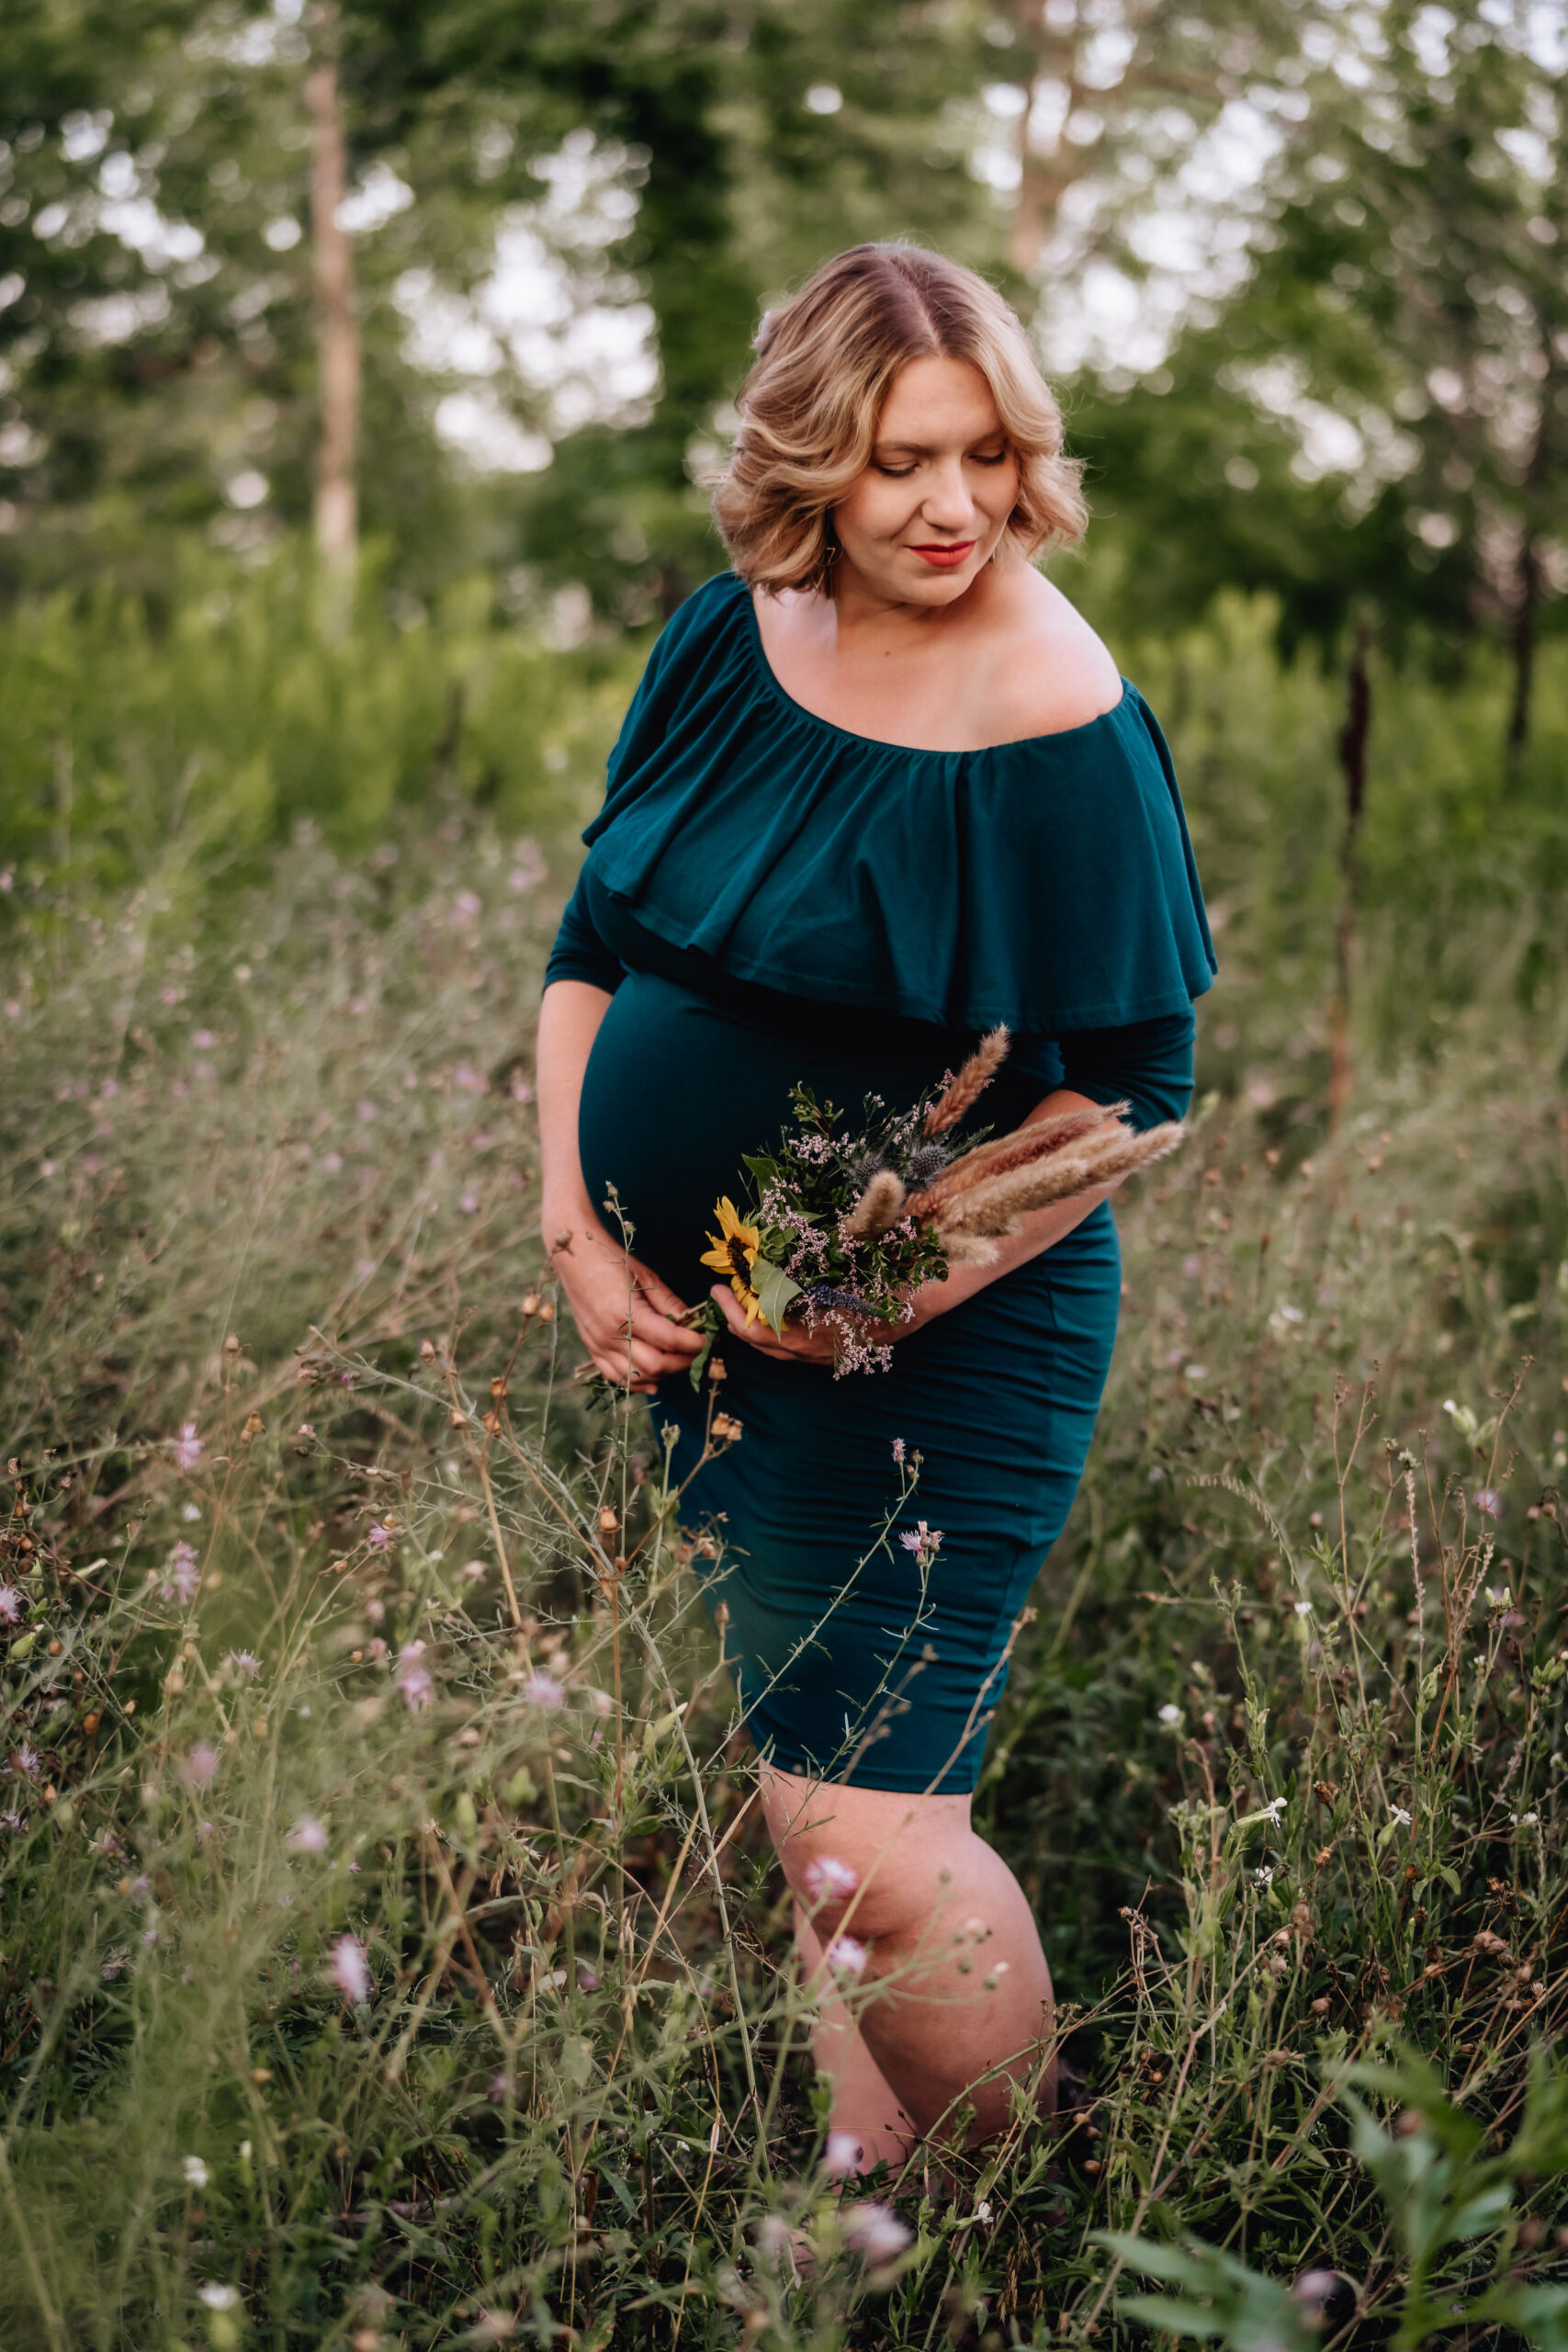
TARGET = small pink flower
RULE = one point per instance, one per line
(1489, 1502)
(521, 1090)
(333, 1162)
(467, 905)
(412, 1679)
(469, 1079)
(27, 1759)
(10, 1604)
(245, 1662)
(924, 1541)
(181, 1580)
(898, 1451)
(202, 1039)
(377, 1537)
(350, 1971)
(469, 1201)
(846, 1955)
(187, 1447)
(308, 1836)
(366, 1112)
(876, 2232)
(830, 1879)
(200, 1765)
(542, 1690)
(843, 2154)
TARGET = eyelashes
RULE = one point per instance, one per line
(903, 473)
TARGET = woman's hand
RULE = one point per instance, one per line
(624, 1314)
(798, 1345)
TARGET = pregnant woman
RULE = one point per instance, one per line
(881, 788)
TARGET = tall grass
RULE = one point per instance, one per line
(391, 1951)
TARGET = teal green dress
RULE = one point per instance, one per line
(768, 897)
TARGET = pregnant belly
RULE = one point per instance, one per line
(677, 1090)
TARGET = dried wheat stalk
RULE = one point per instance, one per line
(970, 1083)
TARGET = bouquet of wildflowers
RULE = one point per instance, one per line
(845, 1223)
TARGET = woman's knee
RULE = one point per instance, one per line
(874, 1860)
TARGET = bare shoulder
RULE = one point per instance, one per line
(1051, 671)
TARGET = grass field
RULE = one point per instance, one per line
(391, 1955)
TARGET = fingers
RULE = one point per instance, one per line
(659, 1296)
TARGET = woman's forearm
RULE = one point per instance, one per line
(569, 1016)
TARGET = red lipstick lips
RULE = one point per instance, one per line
(946, 559)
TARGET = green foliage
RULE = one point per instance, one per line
(173, 749)
(1281, 1764)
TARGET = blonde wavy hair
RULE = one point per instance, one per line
(826, 362)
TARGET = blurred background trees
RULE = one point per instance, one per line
(347, 342)
(1301, 270)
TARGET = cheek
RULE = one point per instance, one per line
(872, 510)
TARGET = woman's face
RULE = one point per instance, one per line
(933, 503)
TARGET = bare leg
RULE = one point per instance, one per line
(864, 2112)
(964, 1998)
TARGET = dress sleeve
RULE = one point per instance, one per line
(580, 953)
(1146, 1063)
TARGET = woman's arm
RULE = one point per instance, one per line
(1040, 1230)
(1147, 1064)
(620, 1306)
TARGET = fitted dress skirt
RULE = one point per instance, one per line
(857, 1657)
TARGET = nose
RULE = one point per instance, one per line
(947, 504)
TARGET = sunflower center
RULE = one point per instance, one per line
(738, 1262)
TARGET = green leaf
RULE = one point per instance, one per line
(774, 1290)
(700, 1360)
(762, 1166)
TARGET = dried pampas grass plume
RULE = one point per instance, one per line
(970, 1083)
(880, 1205)
(996, 1206)
(1022, 1148)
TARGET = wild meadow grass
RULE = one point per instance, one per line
(391, 1951)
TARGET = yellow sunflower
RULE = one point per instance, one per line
(734, 1252)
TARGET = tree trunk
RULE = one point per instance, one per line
(1352, 750)
(336, 509)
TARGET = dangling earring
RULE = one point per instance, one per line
(829, 554)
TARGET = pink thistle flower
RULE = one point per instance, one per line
(542, 1690)
(924, 1541)
(245, 1662)
(843, 2154)
(350, 1971)
(830, 1879)
(898, 1451)
(367, 1111)
(308, 1836)
(187, 1447)
(469, 1079)
(467, 905)
(333, 1162)
(411, 1678)
(116, 1965)
(181, 1580)
(27, 1759)
(521, 1090)
(469, 1201)
(10, 1604)
(1489, 1502)
(846, 1955)
(377, 1537)
(876, 2232)
(202, 1039)
(200, 1765)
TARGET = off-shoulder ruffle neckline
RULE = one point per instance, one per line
(772, 685)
